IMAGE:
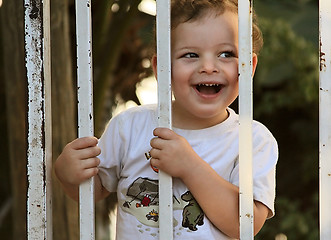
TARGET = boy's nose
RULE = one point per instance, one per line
(209, 66)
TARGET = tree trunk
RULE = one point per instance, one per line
(15, 83)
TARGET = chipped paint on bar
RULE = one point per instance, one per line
(164, 117)
(325, 117)
(85, 111)
(37, 57)
(245, 120)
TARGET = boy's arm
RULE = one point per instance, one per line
(218, 198)
(73, 190)
(77, 163)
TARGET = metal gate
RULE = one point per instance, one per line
(37, 45)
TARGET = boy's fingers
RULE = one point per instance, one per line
(154, 153)
(155, 162)
(89, 152)
(90, 172)
(158, 142)
(84, 142)
(164, 133)
(90, 163)
(155, 142)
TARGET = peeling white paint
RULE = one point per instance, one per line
(85, 111)
(245, 119)
(37, 48)
(164, 118)
(325, 119)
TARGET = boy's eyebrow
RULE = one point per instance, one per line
(186, 48)
(197, 47)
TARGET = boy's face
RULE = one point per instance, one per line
(205, 68)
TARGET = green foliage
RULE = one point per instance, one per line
(302, 16)
(286, 101)
(287, 75)
(296, 223)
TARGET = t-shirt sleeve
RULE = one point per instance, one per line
(112, 146)
(265, 156)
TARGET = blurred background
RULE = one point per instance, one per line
(285, 100)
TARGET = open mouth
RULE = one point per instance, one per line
(209, 89)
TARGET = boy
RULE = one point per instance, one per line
(200, 153)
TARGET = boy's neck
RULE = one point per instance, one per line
(185, 121)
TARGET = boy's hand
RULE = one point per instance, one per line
(78, 161)
(172, 153)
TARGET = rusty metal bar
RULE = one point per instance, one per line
(325, 119)
(85, 111)
(245, 119)
(39, 154)
(164, 118)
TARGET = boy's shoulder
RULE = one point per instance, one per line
(132, 119)
(261, 134)
(136, 115)
(137, 111)
(260, 131)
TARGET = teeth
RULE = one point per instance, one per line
(209, 85)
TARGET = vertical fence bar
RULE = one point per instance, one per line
(164, 118)
(85, 111)
(39, 153)
(245, 120)
(325, 119)
(48, 117)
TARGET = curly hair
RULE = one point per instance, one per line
(193, 10)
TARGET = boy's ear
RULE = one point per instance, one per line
(254, 63)
(154, 65)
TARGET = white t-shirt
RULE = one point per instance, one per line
(125, 169)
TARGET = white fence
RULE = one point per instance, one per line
(164, 118)
(37, 45)
(39, 133)
(325, 119)
(85, 111)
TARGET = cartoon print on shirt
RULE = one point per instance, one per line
(143, 190)
(192, 213)
(154, 215)
(143, 199)
(148, 157)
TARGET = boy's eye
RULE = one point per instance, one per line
(190, 55)
(226, 54)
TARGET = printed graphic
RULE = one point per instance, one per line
(192, 213)
(153, 215)
(143, 200)
(148, 157)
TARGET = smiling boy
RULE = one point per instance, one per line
(205, 70)
(200, 153)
